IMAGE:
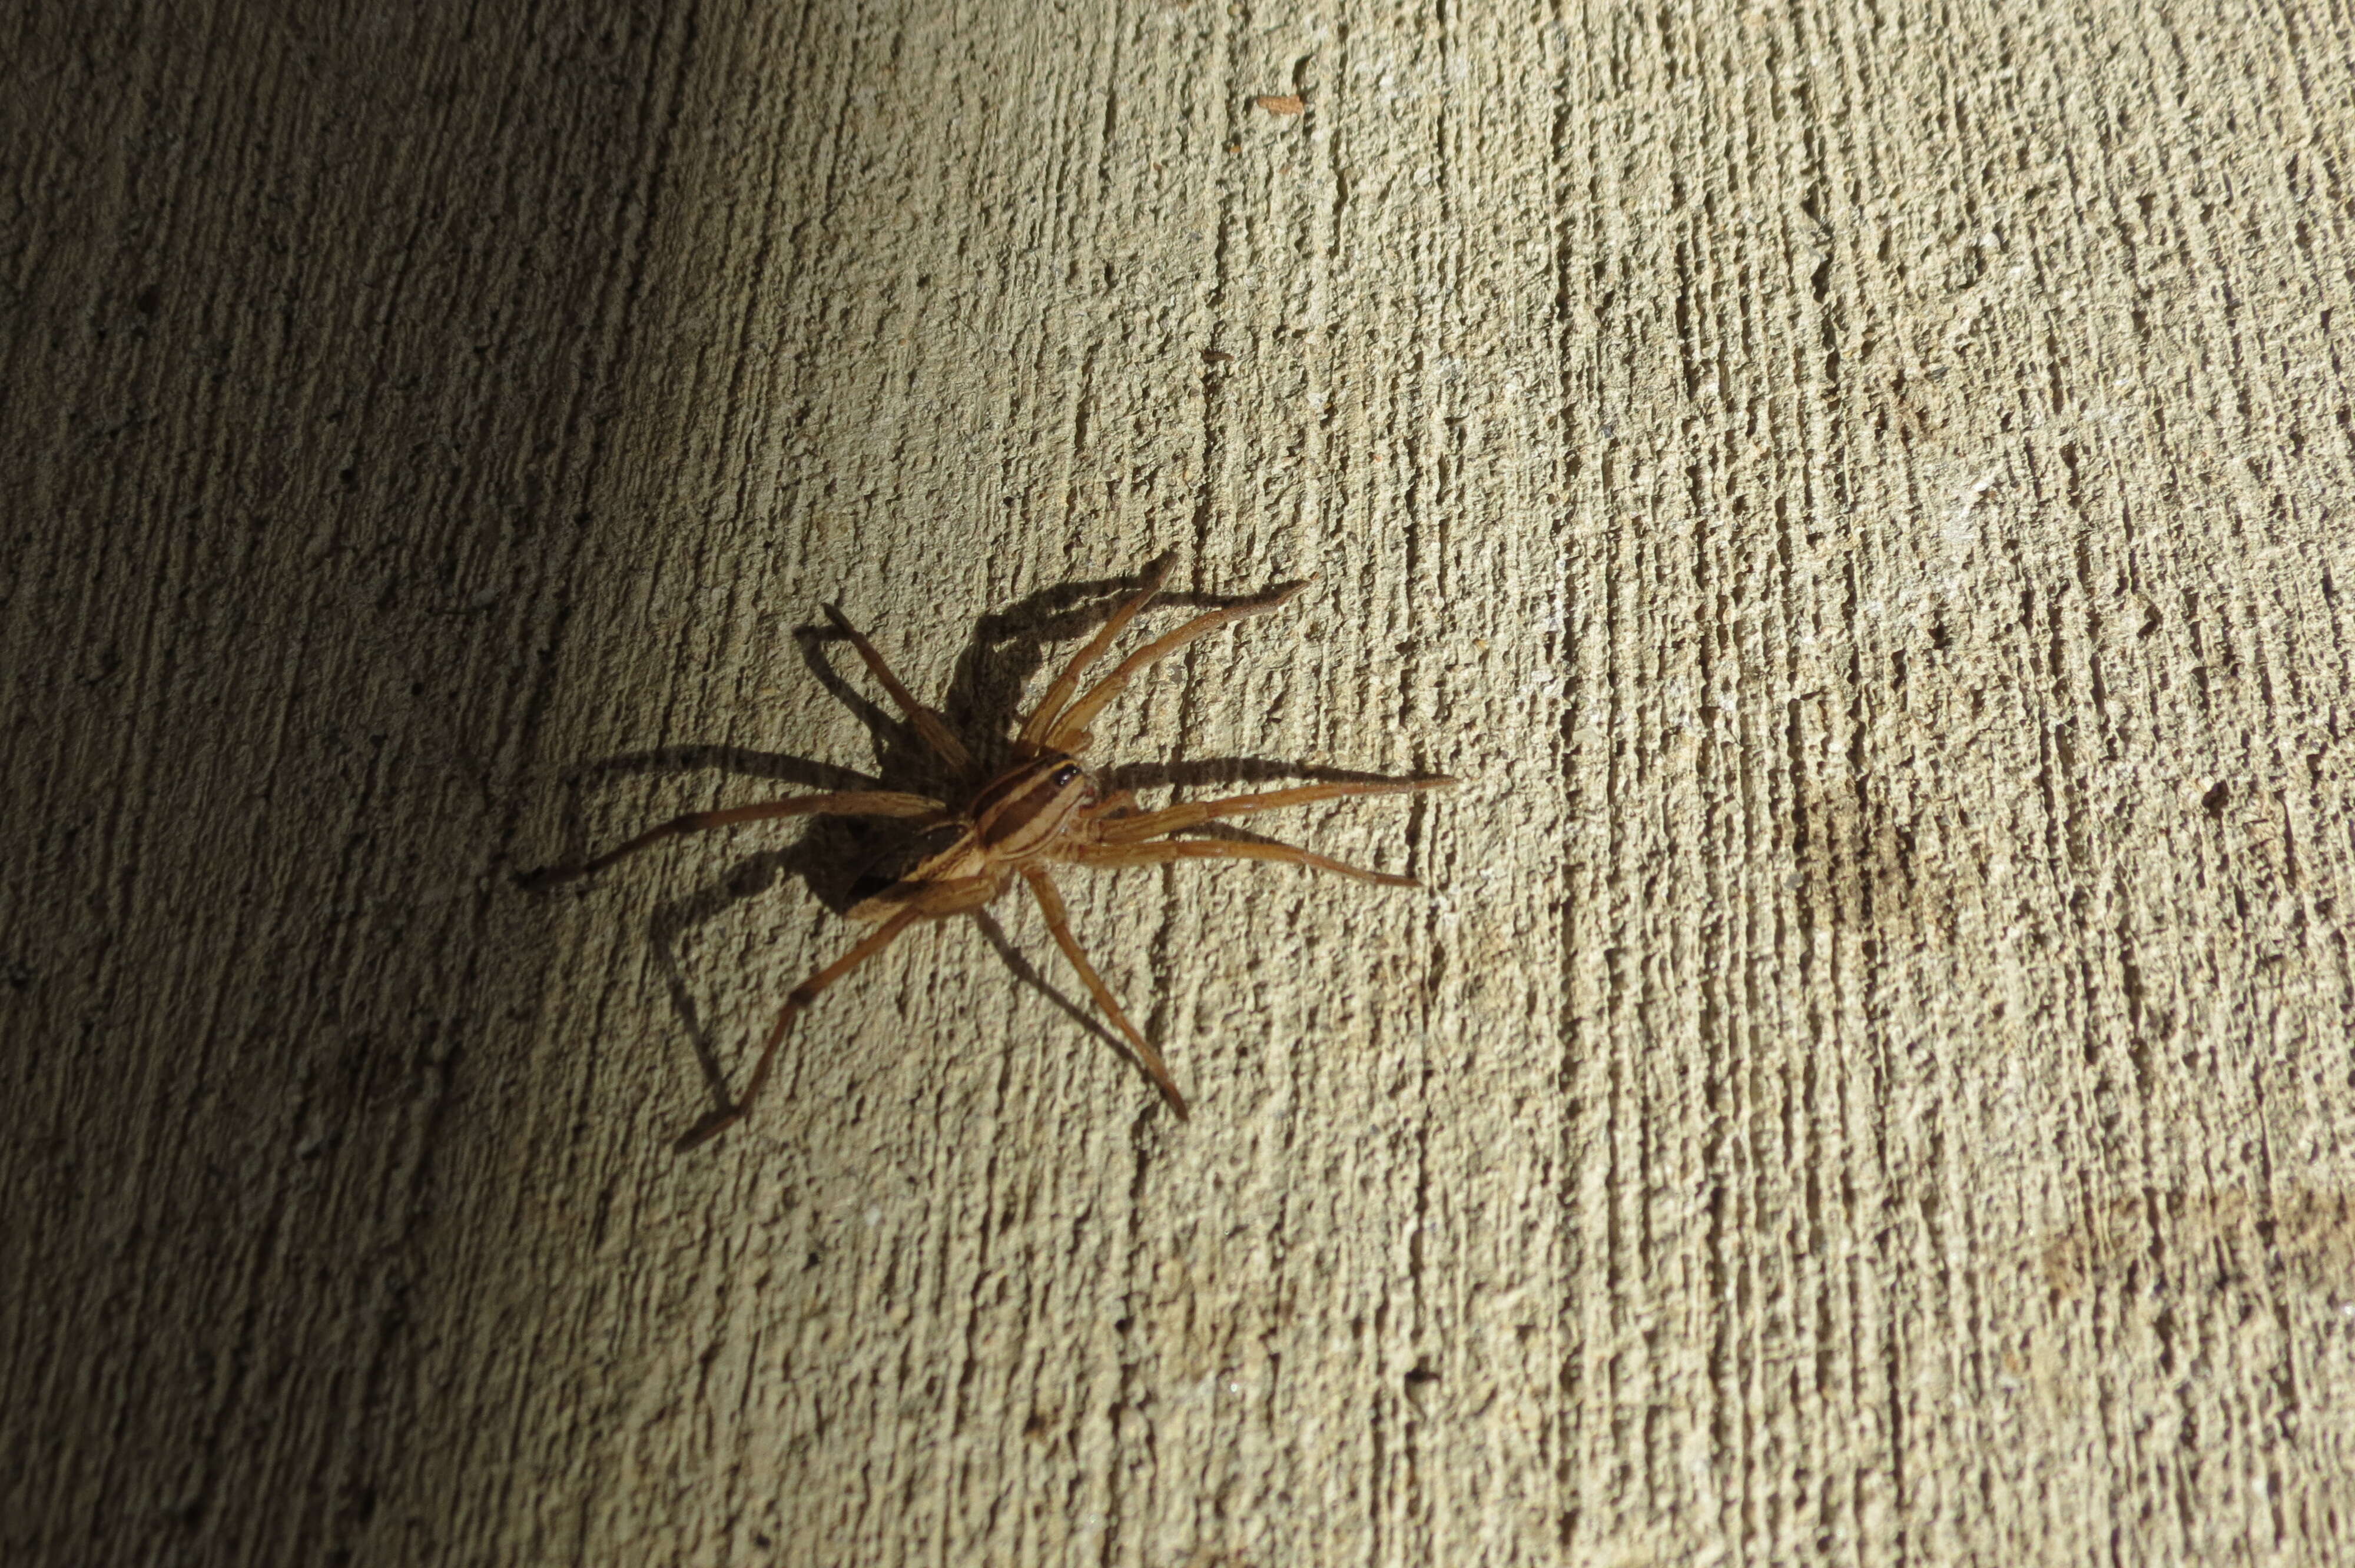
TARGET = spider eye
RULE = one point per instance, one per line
(1064, 775)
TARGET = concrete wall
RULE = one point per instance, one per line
(1860, 496)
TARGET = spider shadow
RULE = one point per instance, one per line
(842, 860)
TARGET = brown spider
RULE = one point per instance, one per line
(1042, 809)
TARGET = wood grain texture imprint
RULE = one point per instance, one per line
(1858, 494)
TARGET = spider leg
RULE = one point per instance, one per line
(844, 803)
(1153, 824)
(1168, 850)
(948, 898)
(1069, 732)
(1050, 903)
(928, 724)
(1042, 718)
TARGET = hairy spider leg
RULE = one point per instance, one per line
(1035, 728)
(1058, 921)
(843, 803)
(1119, 804)
(1193, 813)
(1070, 731)
(948, 898)
(1165, 850)
(928, 724)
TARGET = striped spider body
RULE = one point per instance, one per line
(1040, 812)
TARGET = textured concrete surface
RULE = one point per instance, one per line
(1860, 495)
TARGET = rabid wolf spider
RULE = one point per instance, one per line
(1041, 809)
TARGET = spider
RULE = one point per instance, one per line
(1041, 809)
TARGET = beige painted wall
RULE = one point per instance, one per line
(1861, 499)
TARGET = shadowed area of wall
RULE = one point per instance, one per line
(1858, 501)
